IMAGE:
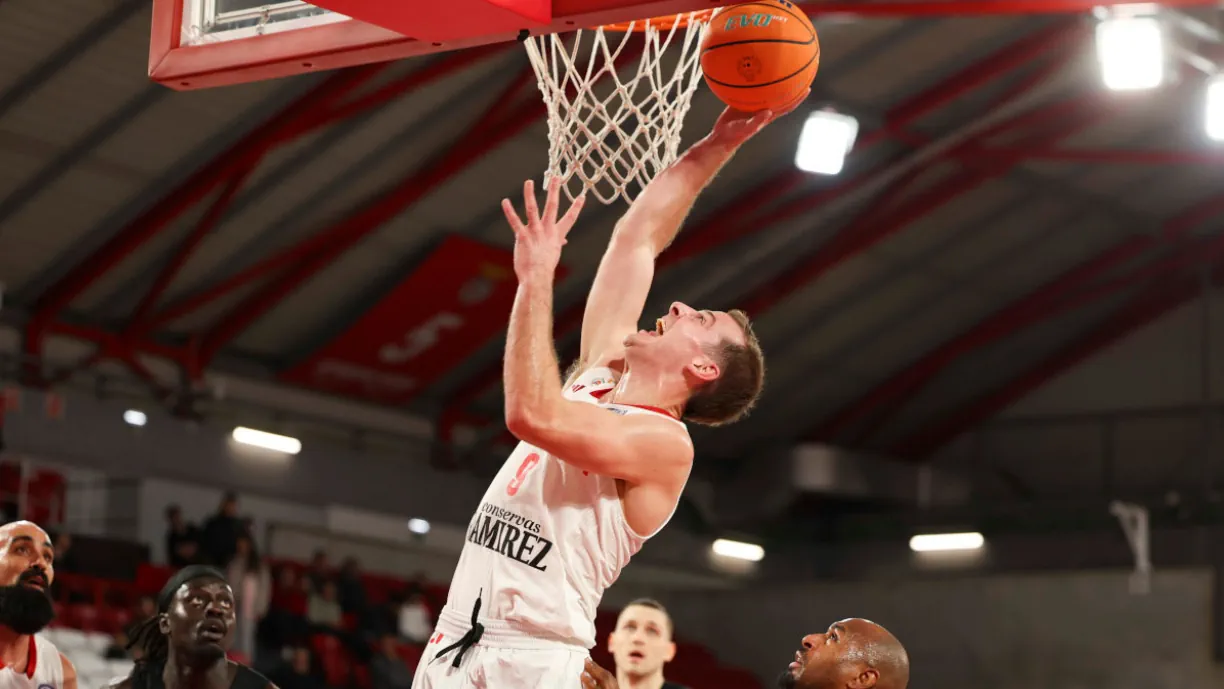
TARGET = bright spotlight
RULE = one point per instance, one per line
(826, 139)
(267, 441)
(1131, 53)
(738, 550)
(418, 526)
(942, 542)
(1213, 116)
(133, 417)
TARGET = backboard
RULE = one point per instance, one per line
(206, 43)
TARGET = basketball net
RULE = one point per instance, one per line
(613, 126)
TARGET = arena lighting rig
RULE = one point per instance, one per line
(1134, 50)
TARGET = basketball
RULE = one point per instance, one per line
(760, 55)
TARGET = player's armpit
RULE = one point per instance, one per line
(636, 448)
(616, 300)
(70, 672)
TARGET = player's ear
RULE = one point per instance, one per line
(669, 653)
(163, 623)
(866, 679)
(703, 368)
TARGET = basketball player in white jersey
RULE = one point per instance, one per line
(27, 569)
(604, 456)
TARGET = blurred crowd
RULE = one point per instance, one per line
(281, 609)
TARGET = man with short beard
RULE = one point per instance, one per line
(183, 646)
(27, 568)
(850, 654)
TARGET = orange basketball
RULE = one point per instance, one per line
(760, 55)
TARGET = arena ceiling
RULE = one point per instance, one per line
(293, 231)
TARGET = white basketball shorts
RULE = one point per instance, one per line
(503, 658)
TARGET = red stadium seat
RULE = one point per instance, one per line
(332, 658)
(151, 578)
(84, 616)
(410, 654)
(361, 677)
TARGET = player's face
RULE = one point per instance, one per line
(684, 337)
(641, 643)
(27, 568)
(201, 618)
(27, 556)
(819, 662)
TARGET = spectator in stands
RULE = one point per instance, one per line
(299, 672)
(323, 607)
(252, 583)
(387, 669)
(415, 623)
(182, 539)
(66, 560)
(146, 607)
(352, 590)
(319, 572)
(221, 532)
(184, 646)
(641, 644)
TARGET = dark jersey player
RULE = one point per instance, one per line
(183, 646)
(850, 654)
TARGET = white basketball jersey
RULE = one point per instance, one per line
(548, 538)
(44, 668)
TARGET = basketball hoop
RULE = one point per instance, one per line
(613, 125)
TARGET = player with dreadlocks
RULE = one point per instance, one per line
(183, 646)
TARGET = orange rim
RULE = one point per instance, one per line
(666, 23)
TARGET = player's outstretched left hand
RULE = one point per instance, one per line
(596, 677)
(538, 242)
(734, 127)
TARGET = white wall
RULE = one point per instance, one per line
(1055, 631)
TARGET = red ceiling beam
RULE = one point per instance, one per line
(1110, 157)
(248, 151)
(327, 245)
(1023, 312)
(869, 230)
(318, 108)
(730, 223)
(187, 247)
(1141, 310)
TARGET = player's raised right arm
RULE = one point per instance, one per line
(622, 283)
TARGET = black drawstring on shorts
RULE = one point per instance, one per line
(468, 640)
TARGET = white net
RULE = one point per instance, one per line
(613, 125)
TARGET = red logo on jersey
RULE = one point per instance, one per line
(437, 638)
(577, 387)
(521, 475)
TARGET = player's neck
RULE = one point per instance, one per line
(185, 672)
(14, 649)
(647, 389)
(653, 680)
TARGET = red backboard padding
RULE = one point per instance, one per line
(446, 20)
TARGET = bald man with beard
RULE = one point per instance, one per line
(27, 569)
(851, 654)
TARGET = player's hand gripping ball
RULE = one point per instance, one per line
(760, 55)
